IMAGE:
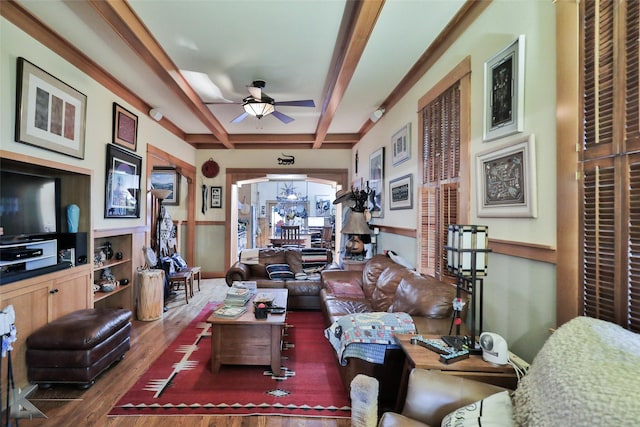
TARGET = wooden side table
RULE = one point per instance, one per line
(474, 367)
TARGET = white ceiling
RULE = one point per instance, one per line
(291, 44)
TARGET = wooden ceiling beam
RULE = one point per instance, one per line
(262, 141)
(358, 22)
(119, 15)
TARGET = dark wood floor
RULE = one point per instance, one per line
(67, 406)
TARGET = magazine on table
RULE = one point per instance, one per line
(230, 312)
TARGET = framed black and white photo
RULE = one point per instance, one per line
(376, 183)
(167, 178)
(401, 145)
(122, 183)
(401, 192)
(507, 180)
(216, 197)
(504, 92)
(50, 114)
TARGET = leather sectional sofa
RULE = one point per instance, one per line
(385, 286)
(301, 278)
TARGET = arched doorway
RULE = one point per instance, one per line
(234, 176)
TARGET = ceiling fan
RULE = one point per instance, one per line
(258, 104)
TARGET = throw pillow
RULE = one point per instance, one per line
(179, 261)
(493, 411)
(344, 289)
(314, 260)
(279, 271)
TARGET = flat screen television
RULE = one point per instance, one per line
(29, 205)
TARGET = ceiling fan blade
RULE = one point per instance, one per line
(301, 103)
(282, 117)
(255, 92)
(240, 118)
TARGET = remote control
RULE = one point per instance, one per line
(454, 357)
(433, 345)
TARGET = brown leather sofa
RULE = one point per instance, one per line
(385, 286)
(305, 264)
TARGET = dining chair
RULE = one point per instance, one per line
(290, 235)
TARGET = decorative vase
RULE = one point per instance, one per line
(73, 217)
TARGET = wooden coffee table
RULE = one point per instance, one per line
(474, 367)
(247, 341)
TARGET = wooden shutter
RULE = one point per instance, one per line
(599, 256)
(439, 202)
(610, 162)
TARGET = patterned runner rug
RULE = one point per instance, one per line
(180, 381)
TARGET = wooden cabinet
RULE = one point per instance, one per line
(39, 300)
(119, 262)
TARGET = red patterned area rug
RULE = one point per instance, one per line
(180, 382)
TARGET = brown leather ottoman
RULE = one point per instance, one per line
(78, 347)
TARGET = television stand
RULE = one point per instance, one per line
(26, 256)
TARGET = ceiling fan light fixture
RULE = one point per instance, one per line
(258, 108)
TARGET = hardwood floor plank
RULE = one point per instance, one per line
(68, 406)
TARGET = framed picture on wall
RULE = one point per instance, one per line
(401, 145)
(122, 183)
(504, 92)
(216, 197)
(507, 180)
(50, 114)
(401, 193)
(167, 178)
(376, 183)
(125, 128)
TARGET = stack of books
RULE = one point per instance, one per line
(237, 297)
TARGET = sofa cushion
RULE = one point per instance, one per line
(344, 289)
(279, 271)
(423, 296)
(294, 259)
(385, 289)
(493, 411)
(372, 270)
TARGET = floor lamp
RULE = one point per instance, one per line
(467, 258)
(159, 194)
